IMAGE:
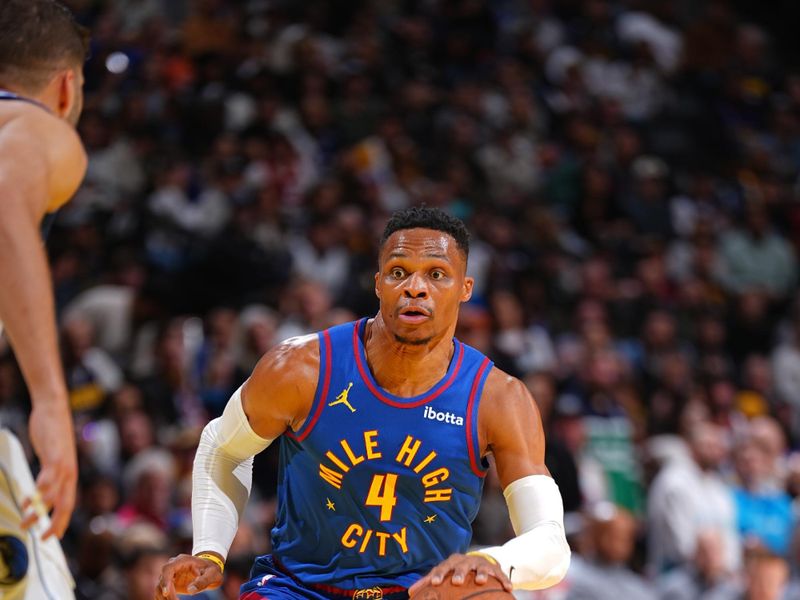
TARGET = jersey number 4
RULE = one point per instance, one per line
(381, 493)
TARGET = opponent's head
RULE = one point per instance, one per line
(422, 277)
(42, 51)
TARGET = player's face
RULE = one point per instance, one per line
(421, 283)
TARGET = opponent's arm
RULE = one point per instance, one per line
(538, 557)
(42, 163)
(277, 397)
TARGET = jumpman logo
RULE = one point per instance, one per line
(342, 399)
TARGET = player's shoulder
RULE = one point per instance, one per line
(294, 361)
(298, 347)
(504, 395)
(503, 386)
(506, 405)
(287, 375)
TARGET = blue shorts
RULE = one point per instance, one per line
(269, 580)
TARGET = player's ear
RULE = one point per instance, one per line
(67, 94)
(377, 287)
(466, 293)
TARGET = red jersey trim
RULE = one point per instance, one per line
(319, 400)
(471, 441)
(434, 392)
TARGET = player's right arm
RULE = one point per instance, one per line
(277, 397)
(41, 165)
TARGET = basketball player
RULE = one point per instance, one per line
(42, 161)
(385, 425)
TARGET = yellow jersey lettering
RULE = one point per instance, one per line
(382, 536)
(434, 477)
(354, 530)
(381, 493)
(331, 476)
(369, 540)
(371, 444)
(364, 543)
(425, 462)
(400, 538)
(408, 451)
(354, 460)
(440, 495)
(337, 461)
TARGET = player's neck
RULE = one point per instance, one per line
(11, 88)
(405, 369)
(26, 95)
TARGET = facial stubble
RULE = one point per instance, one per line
(403, 340)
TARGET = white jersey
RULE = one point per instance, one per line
(30, 568)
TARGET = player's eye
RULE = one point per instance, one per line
(437, 275)
(397, 273)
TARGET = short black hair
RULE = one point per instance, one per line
(37, 38)
(422, 217)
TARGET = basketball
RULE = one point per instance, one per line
(491, 590)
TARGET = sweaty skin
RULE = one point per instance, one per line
(42, 162)
(421, 271)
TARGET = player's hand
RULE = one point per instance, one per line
(459, 565)
(51, 433)
(186, 574)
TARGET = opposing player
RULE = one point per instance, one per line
(42, 161)
(385, 425)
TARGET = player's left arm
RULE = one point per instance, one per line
(511, 429)
(538, 557)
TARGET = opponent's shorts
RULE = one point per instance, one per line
(30, 568)
(270, 581)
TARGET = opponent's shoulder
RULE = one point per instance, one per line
(42, 140)
(35, 125)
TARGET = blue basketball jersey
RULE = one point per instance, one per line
(375, 488)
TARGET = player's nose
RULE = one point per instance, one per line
(416, 287)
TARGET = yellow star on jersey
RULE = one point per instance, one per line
(330, 505)
(430, 519)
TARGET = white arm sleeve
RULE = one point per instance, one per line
(222, 477)
(539, 556)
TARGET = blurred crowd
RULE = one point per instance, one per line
(628, 169)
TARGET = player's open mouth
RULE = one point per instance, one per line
(414, 315)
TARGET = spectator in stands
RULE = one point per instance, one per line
(766, 576)
(705, 578)
(605, 575)
(764, 511)
(756, 257)
(148, 481)
(141, 551)
(689, 497)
